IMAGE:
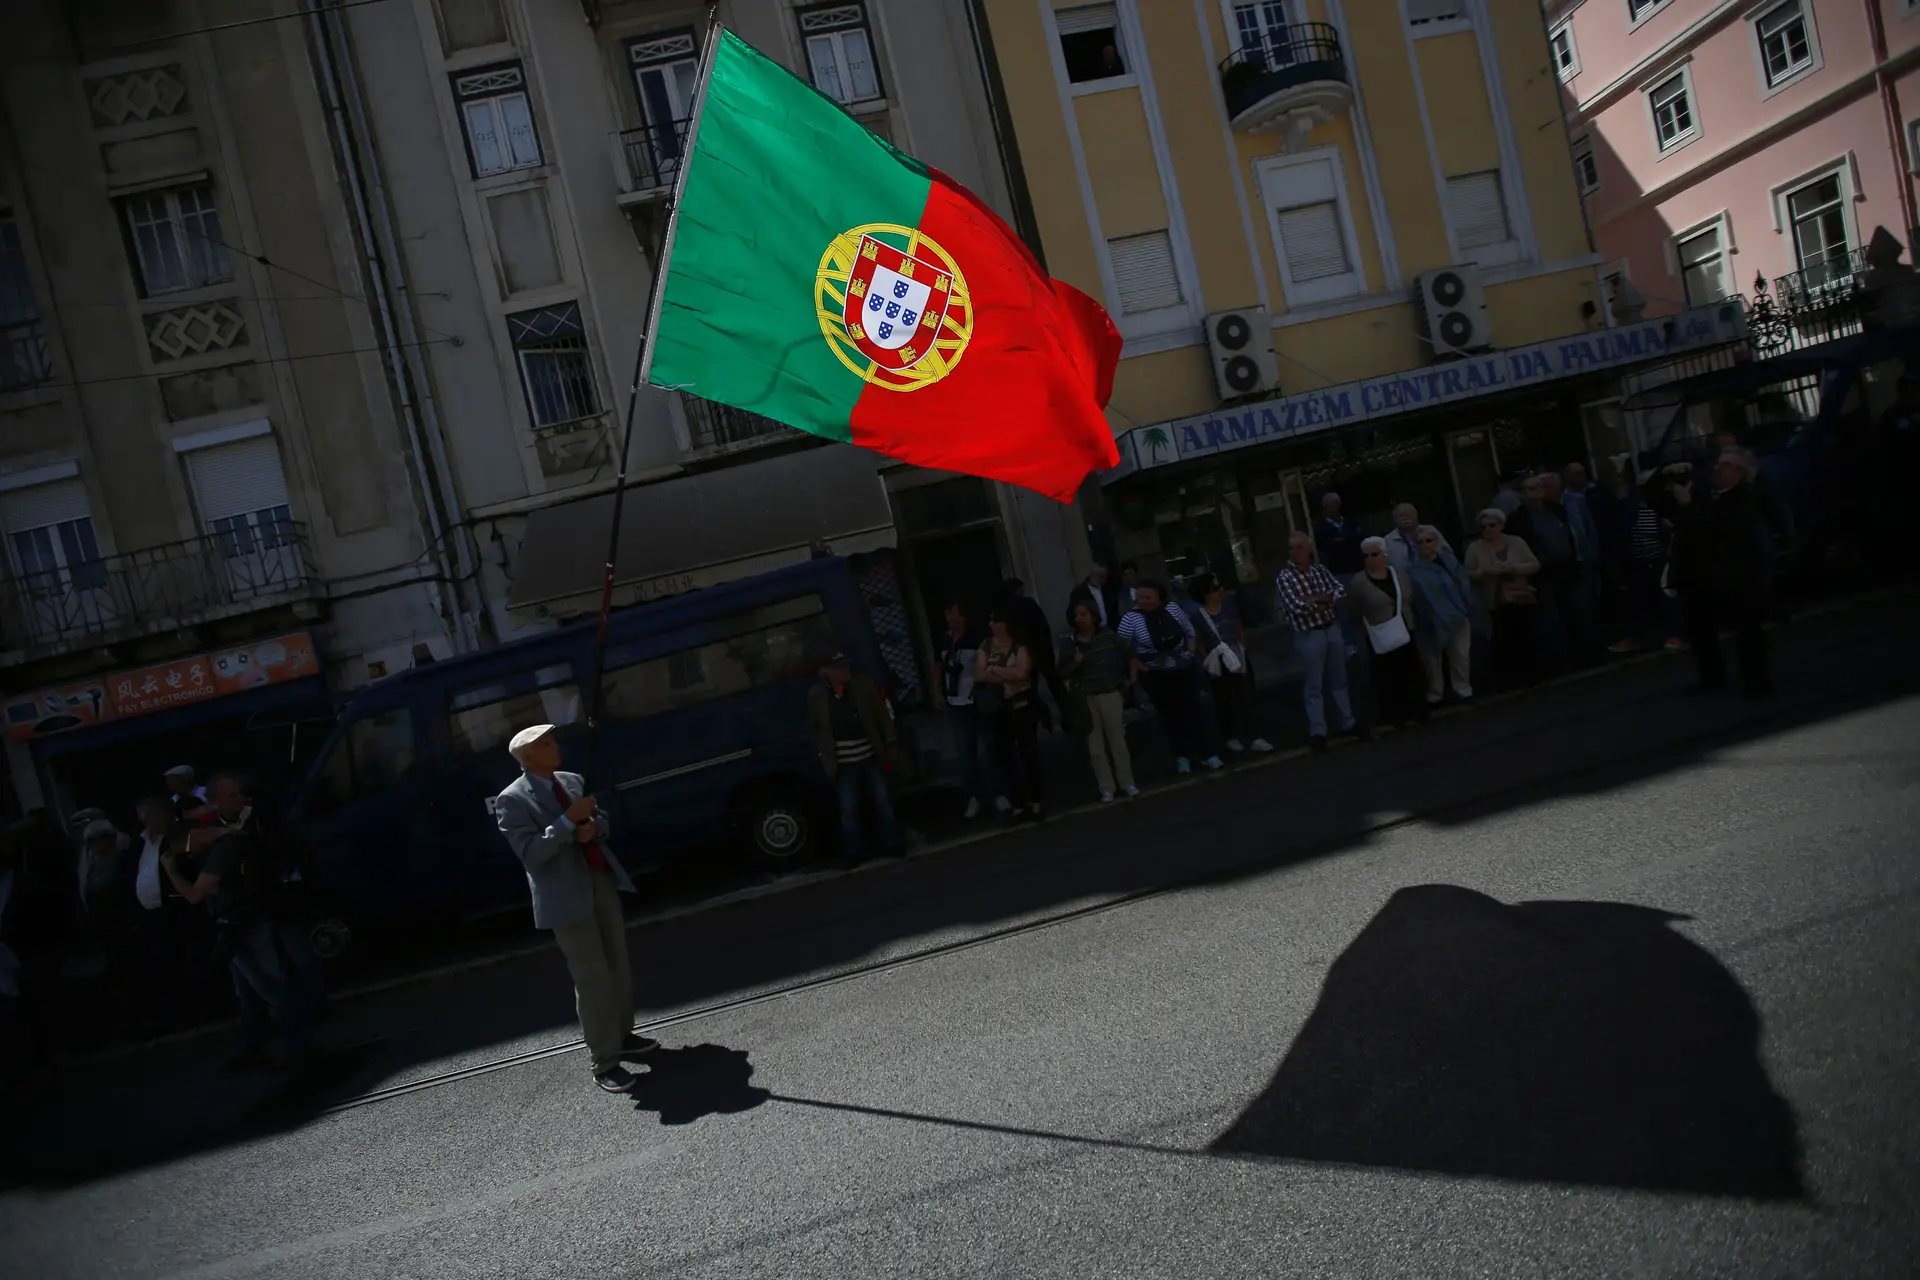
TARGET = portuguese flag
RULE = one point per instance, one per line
(817, 276)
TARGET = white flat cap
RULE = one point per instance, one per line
(99, 827)
(180, 771)
(527, 737)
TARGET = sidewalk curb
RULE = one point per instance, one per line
(988, 830)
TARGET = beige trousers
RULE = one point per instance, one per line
(1109, 735)
(1459, 659)
(596, 952)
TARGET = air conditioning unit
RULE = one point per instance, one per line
(1242, 346)
(1456, 310)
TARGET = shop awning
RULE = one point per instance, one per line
(1855, 351)
(273, 704)
(704, 529)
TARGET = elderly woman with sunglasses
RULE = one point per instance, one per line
(1383, 595)
(1502, 568)
(1443, 599)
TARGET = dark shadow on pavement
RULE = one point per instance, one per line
(1578, 1042)
(700, 1080)
(262, 1105)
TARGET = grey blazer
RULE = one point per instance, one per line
(535, 825)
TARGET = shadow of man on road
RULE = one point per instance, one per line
(700, 1080)
(1580, 1042)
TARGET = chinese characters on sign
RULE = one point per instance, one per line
(163, 687)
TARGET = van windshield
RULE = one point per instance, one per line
(373, 753)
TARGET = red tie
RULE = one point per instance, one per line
(595, 859)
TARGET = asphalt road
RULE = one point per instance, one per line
(1608, 981)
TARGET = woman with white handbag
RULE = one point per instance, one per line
(1223, 656)
(1384, 597)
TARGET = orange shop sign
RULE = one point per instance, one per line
(162, 687)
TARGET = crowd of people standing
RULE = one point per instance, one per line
(1560, 571)
(103, 933)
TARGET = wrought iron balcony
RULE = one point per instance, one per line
(718, 427)
(1815, 304)
(159, 589)
(646, 161)
(1291, 79)
(24, 361)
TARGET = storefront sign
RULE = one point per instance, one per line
(1448, 383)
(163, 687)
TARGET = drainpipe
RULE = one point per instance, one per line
(1896, 136)
(398, 332)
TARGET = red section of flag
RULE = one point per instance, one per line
(1024, 404)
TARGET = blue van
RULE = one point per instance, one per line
(702, 736)
(1807, 416)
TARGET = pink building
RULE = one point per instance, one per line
(1719, 141)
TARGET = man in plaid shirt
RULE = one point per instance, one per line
(1307, 595)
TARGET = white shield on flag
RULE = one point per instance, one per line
(894, 307)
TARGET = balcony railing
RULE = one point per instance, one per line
(648, 158)
(24, 360)
(158, 589)
(1261, 80)
(721, 426)
(1815, 304)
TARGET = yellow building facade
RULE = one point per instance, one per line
(1300, 170)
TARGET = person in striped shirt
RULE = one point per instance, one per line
(853, 731)
(1654, 616)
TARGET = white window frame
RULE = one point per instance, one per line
(1572, 68)
(1290, 11)
(1683, 73)
(1797, 74)
(1584, 145)
(1353, 284)
(471, 90)
(210, 264)
(1653, 10)
(1621, 267)
(1128, 79)
(830, 25)
(1721, 224)
(1847, 171)
(1504, 252)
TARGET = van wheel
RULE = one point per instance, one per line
(779, 828)
(331, 937)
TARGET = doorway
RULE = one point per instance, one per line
(1475, 465)
(963, 566)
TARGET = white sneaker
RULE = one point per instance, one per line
(1133, 791)
(973, 807)
(1233, 744)
(1261, 744)
(1002, 804)
(1106, 797)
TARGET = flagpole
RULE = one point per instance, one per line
(591, 686)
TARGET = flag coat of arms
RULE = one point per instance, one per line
(814, 274)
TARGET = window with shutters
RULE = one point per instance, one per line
(1703, 266)
(1144, 271)
(175, 237)
(1313, 239)
(50, 537)
(1478, 209)
(1090, 43)
(1586, 168)
(241, 494)
(498, 119)
(555, 366)
(1671, 102)
(839, 46)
